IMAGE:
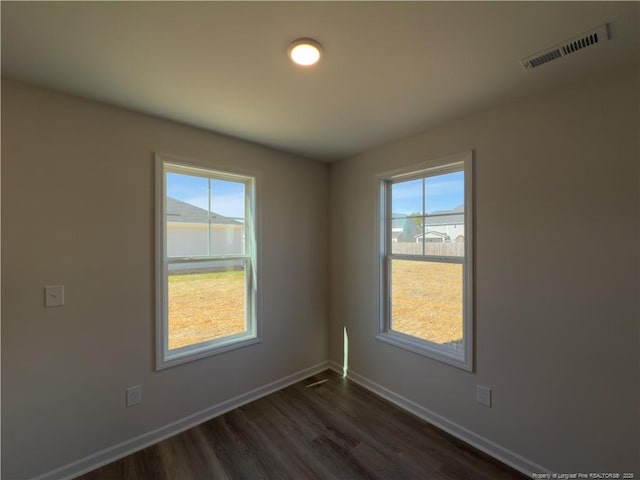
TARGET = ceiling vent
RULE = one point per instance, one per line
(579, 42)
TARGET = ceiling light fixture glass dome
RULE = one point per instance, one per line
(305, 52)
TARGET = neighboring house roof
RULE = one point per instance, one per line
(432, 232)
(454, 216)
(455, 219)
(179, 211)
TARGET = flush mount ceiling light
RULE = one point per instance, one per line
(305, 52)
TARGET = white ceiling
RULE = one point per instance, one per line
(390, 69)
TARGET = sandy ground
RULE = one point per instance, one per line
(426, 303)
(205, 306)
(426, 300)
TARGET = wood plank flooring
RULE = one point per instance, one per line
(325, 427)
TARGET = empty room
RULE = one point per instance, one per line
(318, 240)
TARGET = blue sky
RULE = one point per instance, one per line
(443, 192)
(227, 198)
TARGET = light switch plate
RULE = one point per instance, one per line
(54, 296)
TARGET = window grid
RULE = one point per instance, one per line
(462, 356)
(209, 260)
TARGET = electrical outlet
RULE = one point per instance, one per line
(484, 396)
(134, 395)
(54, 296)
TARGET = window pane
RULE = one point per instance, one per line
(426, 301)
(227, 199)
(206, 301)
(190, 191)
(187, 215)
(186, 237)
(443, 241)
(193, 229)
(227, 237)
(227, 217)
(444, 193)
(405, 235)
(406, 198)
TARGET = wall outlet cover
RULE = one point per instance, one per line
(484, 396)
(54, 295)
(134, 395)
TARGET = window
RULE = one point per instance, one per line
(426, 259)
(206, 261)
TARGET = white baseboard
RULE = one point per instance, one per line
(483, 444)
(133, 445)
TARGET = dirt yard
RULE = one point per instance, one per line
(204, 306)
(426, 302)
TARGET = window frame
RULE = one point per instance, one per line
(166, 358)
(439, 166)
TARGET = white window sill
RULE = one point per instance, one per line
(428, 349)
(198, 351)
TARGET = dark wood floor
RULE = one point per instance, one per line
(324, 427)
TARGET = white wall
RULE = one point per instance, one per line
(556, 329)
(77, 209)
(557, 312)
